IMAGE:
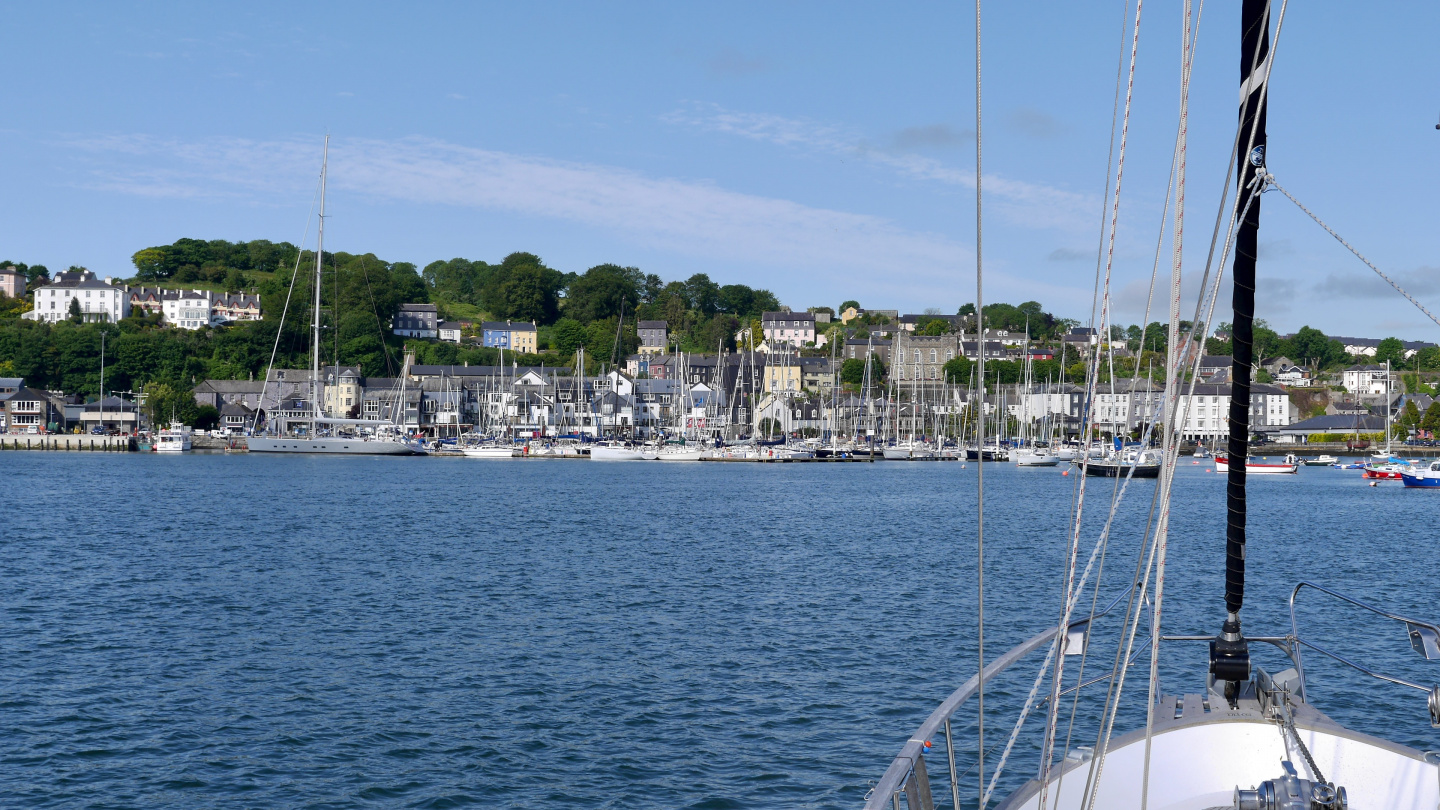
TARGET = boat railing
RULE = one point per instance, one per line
(1424, 639)
(907, 774)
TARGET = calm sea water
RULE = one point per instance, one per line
(259, 631)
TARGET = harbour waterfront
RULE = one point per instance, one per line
(212, 629)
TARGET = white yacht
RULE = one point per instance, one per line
(488, 451)
(322, 434)
(173, 439)
(614, 451)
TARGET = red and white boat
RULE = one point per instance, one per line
(1386, 472)
(1290, 467)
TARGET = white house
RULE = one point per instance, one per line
(1293, 376)
(1207, 412)
(1370, 379)
(98, 300)
(189, 309)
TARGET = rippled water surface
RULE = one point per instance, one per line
(216, 630)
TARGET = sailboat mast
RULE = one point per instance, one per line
(1229, 654)
(319, 266)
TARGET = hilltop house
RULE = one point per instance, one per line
(98, 300)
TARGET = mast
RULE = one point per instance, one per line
(319, 266)
(1229, 653)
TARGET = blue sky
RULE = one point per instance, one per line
(822, 150)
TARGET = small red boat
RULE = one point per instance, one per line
(1384, 472)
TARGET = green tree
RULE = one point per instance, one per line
(703, 293)
(75, 315)
(568, 335)
(149, 264)
(1431, 420)
(958, 370)
(1391, 349)
(852, 371)
(531, 293)
(935, 327)
(844, 305)
(206, 417)
(603, 292)
(1410, 416)
(13, 307)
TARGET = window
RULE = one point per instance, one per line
(917, 355)
(934, 356)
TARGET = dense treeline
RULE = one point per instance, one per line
(702, 315)
(216, 261)
(359, 296)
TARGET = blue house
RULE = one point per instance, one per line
(517, 337)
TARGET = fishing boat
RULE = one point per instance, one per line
(1247, 738)
(173, 439)
(1290, 466)
(1428, 478)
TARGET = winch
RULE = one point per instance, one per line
(1290, 792)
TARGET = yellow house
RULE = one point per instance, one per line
(343, 389)
(782, 378)
(850, 314)
(522, 338)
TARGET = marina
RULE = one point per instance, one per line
(273, 537)
(421, 656)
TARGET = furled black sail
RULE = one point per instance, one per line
(1229, 655)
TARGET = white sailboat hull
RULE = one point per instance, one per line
(904, 453)
(615, 454)
(681, 455)
(1198, 766)
(1023, 459)
(488, 452)
(330, 447)
(1253, 468)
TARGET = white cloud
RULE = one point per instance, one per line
(693, 218)
(1022, 203)
(1363, 283)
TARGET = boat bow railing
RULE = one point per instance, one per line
(907, 773)
(1424, 639)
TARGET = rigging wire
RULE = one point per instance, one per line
(1270, 179)
(1181, 409)
(1170, 443)
(980, 445)
(280, 328)
(1053, 718)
